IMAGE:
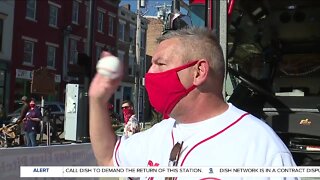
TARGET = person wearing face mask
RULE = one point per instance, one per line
(32, 124)
(185, 82)
(130, 120)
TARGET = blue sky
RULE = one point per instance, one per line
(150, 9)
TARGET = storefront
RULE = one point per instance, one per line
(22, 87)
(4, 85)
(124, 92)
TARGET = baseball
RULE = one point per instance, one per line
(110, 67)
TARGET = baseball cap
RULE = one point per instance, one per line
(24, 98)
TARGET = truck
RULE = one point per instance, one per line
(272, 59)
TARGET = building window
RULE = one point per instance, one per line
(73, 51)
(1, 33)
(132, 33)
(31, 9)
(131, 65)
(85, 46)
(75, 12)
(100, 21)
(51, 57)
(28, 50)
(121, 55)
(53, 15)
(98, 52)
(87, 15)
(127, 93)
(111, 29)
(121, 30)
(143, 65)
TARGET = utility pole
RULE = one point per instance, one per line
(138, 67)
(90, 29)
(163, 11)
(175, 6)
(85, 135)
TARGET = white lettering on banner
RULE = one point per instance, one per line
(57, 78)
(11, 159)
(212, 172)
(41, 170)
(25, 74)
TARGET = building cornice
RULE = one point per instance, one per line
(114, 3)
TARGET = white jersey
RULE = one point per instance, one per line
(234, 138)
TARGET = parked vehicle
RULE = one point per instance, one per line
(53, 112)
(55, 107)
(273, 63)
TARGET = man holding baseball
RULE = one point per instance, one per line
(185, 81)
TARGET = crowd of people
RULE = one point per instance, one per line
(30, 117)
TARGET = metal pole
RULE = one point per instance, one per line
(138, 68)
(90, 28)
(66, 34)
(85, 101)
(175, 6)
(223, 11)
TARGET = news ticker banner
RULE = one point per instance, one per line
(103, 171)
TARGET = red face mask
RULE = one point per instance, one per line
(127, 113)
(165, 89)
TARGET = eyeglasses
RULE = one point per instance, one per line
(125, 107)
(174, 156)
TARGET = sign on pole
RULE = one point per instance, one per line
(42, 82)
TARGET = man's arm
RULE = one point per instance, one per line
(102, 136)
(23, 113)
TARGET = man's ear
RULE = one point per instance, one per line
(201, 72)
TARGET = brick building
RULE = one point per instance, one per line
(155, 27)
(51, 34)
(127, 26)
(6, 26)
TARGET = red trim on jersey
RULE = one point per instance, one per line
(172, 138)
(115, 154)
(210, 137)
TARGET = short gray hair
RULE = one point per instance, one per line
(199, 43)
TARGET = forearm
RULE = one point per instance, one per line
(35, 119)
(102, 136)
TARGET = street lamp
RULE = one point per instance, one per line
(138, 67)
